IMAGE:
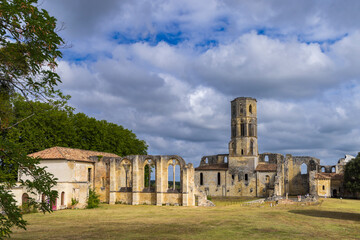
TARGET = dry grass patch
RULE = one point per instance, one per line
(334, 219)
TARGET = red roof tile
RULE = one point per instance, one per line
(332, 176)
(69, 154)
(216, 166)
(266, 167)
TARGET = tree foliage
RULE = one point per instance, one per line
(352, 175)
(93, 200)
(29, 47)
(61, 127)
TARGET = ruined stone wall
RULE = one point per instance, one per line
(265, 183)
(301, 183)
(210, 182)
(127, 181)
(323, 187)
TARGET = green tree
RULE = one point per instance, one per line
(29, 47)
(61, 127)
(352, 175)
(93, 200)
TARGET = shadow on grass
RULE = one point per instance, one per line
(329, 214)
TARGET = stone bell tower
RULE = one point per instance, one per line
(243, 143)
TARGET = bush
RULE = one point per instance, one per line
(74, 201)
(209, 197)
(93, 199)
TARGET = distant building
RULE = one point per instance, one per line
(245, 172)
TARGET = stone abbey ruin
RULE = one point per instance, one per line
(147, 179)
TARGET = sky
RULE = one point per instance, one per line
(168, 70)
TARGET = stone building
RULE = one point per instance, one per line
(245, 172)
(116, 179)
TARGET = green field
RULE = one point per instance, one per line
(230, 219)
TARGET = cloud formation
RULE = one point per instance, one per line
(169, 69)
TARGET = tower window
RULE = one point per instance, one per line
(242, 129)
(323, 187)
(246, 177)
(251, 148)
(250, 109)
(218, 179)
(201, 179)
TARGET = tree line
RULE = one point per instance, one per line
(50, 126)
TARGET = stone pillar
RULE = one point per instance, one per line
(159, 179)
(113, 182)
(136, 188)
(184, 186)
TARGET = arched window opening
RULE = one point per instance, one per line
(251, 131)
(225, 159)
(322, 169)
(233, 131)
(250, 109)
(251, 148)
(323, 187)
(25, 198)
(201, 179)
(266, 158)
(246, 177)
(125, 177)
(63, 198)
(218, 179)
(206, 160)
(177, 178)
(149, 176)
(267, 179)
(304, 169)
(232, 179)
(174, 177)
(333, 169)
(242, 151)
(170, 176)
(242, 126)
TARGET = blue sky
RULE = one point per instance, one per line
(169, 69)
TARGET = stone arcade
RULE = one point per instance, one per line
(245, 172)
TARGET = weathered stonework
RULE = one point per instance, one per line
(126, 180)
(245, 172)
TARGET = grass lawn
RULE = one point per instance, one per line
(333, 219)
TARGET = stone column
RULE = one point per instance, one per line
(159, 178)
(136, 188)
(184, 186)
(113, 182)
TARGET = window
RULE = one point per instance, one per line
(251, 131)
(89, 174)
(201, 179)
(246, 177)
(267, 179)
(242, 151)
(303, 168)
(250, 109)
(323, 187)
(242, 126)
(232, 179)
(266, 158)
(251, 148)
(62, 198)
(218, 179)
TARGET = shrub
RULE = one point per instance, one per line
(74, 201)
(93, 199)
(209, 197)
